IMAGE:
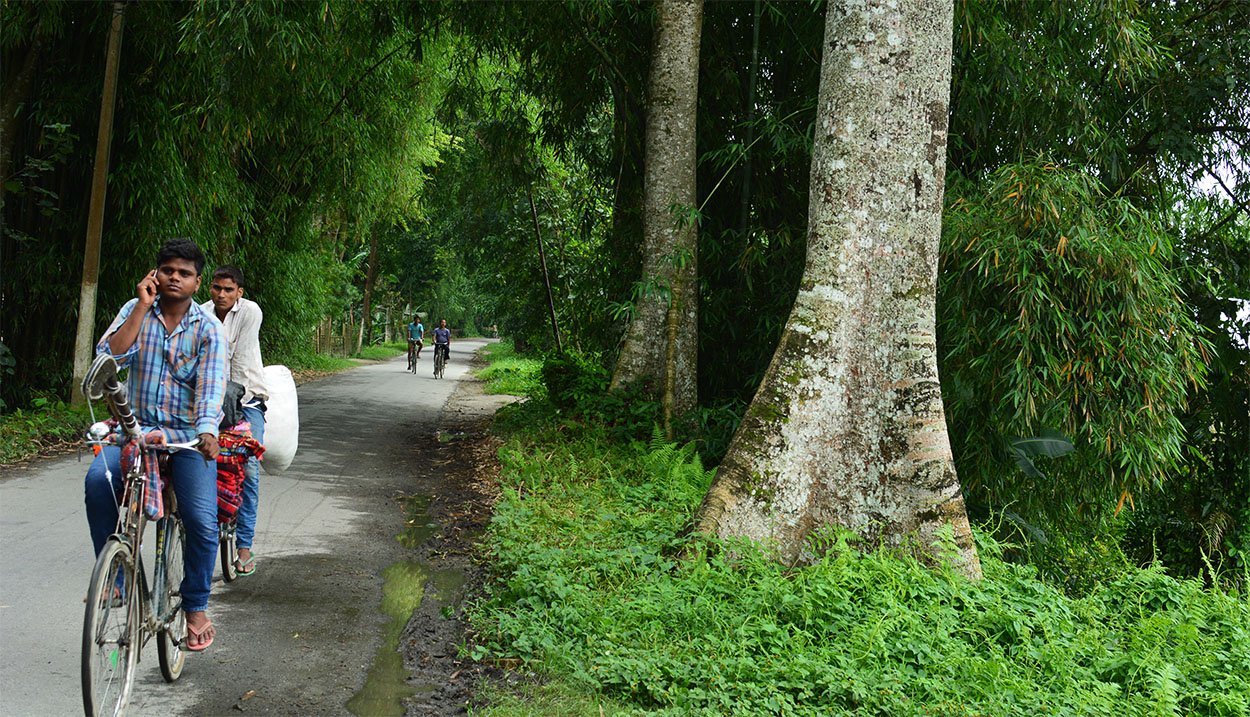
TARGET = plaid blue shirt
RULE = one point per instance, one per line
(177, 379)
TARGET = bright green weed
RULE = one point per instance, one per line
(26, 432)
(598, 587)
(511, 373)
(382, 352)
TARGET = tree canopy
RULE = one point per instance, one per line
(363, 161)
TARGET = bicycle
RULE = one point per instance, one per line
(440, 359)
(229, 548)
(412, 357)
(124, 610)
(229, 492)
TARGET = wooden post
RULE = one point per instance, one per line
(83, 343)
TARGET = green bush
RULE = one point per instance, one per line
(598, 585)
(510, 372)
(382, 352)
(46, 424)
(574, 379)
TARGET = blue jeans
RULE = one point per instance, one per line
(251, 483)
(195, 486)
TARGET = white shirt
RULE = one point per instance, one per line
(242, 324)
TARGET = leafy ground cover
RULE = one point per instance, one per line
(382, 352)
(509, 372)
(46, 425)
(599, 588)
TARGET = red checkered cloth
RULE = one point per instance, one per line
(153, 504)
(237, 445)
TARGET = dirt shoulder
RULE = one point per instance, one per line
(461, 476)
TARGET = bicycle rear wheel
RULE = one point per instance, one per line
(110, 632)
(229, 552)
(170, 545)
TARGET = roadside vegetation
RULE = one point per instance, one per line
(383, 351)
(598, 586)
(46, 425)
(511, 373)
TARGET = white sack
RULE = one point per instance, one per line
(281, 420)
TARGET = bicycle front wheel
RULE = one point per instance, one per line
(170, 546)
(229, 550)
(110, 632)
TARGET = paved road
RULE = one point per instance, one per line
(299, 636)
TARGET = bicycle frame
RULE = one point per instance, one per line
(101, 382)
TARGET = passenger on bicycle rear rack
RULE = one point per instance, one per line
(176, 354)
(242, 319)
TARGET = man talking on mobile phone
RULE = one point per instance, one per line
(176, 353)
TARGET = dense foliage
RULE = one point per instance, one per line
(276, 135)
(597, 585)
(364, 161)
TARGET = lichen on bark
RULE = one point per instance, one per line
(660, 349)
(847, 427)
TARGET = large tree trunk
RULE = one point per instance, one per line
(660, 349)
(847, 427)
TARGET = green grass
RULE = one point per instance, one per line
(313, 361)
(597, 587)
(511, 373)
(546, 699)
(382, 352)
(27, 432)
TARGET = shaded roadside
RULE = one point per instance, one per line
(458, 470)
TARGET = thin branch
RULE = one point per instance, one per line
(354, 85)
(1220, 180)
(607, 59)
(1220, 224)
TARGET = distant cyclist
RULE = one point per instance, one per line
(442, 339)
(416, 339)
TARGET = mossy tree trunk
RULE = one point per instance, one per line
(661, 348)
(847, 427)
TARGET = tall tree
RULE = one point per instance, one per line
(848, 427)
(661, 345)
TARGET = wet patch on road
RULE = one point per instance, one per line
(386, 686)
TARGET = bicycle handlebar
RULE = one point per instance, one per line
(98, 434)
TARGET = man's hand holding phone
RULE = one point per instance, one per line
(146, 291)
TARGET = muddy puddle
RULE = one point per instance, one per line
(405, 585)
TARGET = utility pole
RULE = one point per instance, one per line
(95, 219)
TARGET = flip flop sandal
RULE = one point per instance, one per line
(198, 635)
(242, 569)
